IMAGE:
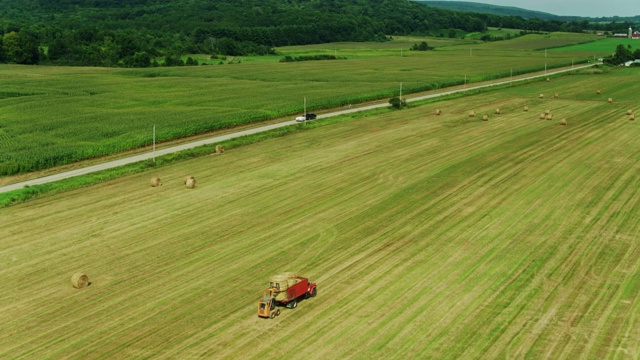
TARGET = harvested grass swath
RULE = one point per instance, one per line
(485, 117)
(497, 111)
(219, 149)
(610, 101)
(472, 114)
(542, 116)
(191, 183)
(526, 108)
(629, 112)
(79, 280)
(563, 122)
(632, 117)
(549, 117)
(438, 112)
(187, 179)
(541, 96)
(155, 182)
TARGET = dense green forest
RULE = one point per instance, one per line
(140, 33)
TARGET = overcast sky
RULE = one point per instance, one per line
(590, 8)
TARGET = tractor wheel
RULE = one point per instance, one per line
(314, 292)
(294, 304)
(272, 314)
(278, 312)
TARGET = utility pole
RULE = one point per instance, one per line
(154, 142)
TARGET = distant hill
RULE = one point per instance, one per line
(466, 6)
(479, 8)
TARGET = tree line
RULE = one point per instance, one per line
(136, 33)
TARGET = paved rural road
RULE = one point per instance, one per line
(217, 139)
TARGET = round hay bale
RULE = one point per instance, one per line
(438, 112)
(497, 111)
(632, 117)
(541, 96)
(526, 108)
(155, 182)
(485, 117)
(548, 79)
(542, 116)
(191, 183)
(549, 117)
(219, 149)
(629, 112)
(555, 96)
(187, 179)
(472, 114)
(610, 101)
(599, 92)
(547, 112)
(563, 122)
(79, 280)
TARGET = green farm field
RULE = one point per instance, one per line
(601, 46)
(429, 237)
(54, 116)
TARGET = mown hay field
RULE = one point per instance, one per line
(53, 116)
(429, 237)
(538, 42)
(354, 50)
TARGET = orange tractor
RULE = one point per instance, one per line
(285, 290)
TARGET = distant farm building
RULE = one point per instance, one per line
(620, 35)
(635, 35)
